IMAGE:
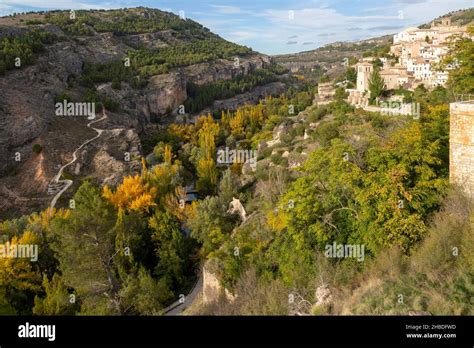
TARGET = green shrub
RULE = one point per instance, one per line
(62, 97)
(37, 148)
(276, 158)
(326, 131)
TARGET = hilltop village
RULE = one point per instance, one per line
(415, 58)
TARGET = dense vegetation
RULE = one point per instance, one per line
(119, 251)
(202, 96)
(122, 22)
(131, 235)
(381, 191)
(153, 62)
(19, 51)
(146, 62)
(374, 180)
(461, 80)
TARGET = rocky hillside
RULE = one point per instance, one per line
(137, 63)
(329, 59)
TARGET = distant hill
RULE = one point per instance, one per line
(329, 59)
(459, 17)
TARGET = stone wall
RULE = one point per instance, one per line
(461, 146)
(326, 90)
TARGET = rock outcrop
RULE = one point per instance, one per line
(235, 206)
(212, 288)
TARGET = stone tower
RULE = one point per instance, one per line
(461, 146)
(446, 22)
(364, 71)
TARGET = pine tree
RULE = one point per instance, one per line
(86, 252)
(57, 300)
(376, 84)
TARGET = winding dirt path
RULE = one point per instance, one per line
(67, 183)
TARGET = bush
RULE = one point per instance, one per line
(326, 131)
(299, 130)
(24, 47)
(37, 148)
(265, 153)
(110, 104)
(276, 158)
(34, 22)
(317, 114)
(61, 98)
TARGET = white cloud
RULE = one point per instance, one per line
(5, 10)
(326, 25)
(246, 34)
(227, 9)
(57, 4)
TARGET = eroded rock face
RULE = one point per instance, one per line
(118, 154)
(27, 95)
(278, 131)
(235, 206)
(165, 92)
(212, 288)
(152, 40)
(224, 69)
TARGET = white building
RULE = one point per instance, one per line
(419, 50)
(364, 71)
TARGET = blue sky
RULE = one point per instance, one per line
(278, 26)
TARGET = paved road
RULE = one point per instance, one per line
(177, 308)
(68, 183)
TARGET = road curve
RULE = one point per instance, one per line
(177, 308)
(67, 183)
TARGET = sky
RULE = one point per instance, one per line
(278, 26)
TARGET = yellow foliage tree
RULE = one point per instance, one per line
(182, 131)
(175, 203)
(207, 137)
(43, 219)
(207, 173)
(18, 272)
(277, 220)
(164, 178)
(133, 194)
(237, 123)
(168, 156)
